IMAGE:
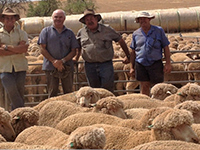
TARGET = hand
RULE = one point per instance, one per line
(58, 64)
(167, 68)
(22, 43)
(132, 72)
(126, 60)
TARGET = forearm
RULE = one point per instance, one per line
(167, 54)
(124, 47)
(132, 59)
(70, 55)
(19, 49)
(78, 54)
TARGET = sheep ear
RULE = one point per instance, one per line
(16, 118)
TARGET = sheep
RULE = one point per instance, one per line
(191, 106)
(136, 100)
(83, 119)
(167, 145)
(162, 90)
(71, 97)
(190, 91)
(173, 124)
(23, 118)
(55, 111)
(6, 129)
(42, 135)
(194, 66)
(86, 138)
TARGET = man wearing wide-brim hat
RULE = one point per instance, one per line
(13, 63)
(148, 43)
(96, 42)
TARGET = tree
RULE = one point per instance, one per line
(78, 6)
(43, 8)
(16, 4)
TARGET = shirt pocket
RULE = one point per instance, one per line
(107, 44)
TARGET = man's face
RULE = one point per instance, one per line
(58, 18)
(91, 21)
(144, 21)
(9, 21)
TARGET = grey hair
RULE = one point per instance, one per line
(59, 10)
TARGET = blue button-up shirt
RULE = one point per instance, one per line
(58, 45)
(148, 48)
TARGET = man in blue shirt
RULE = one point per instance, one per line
(58, 46)
(148, 43)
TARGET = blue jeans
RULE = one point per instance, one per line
(100, 75)
(13, 84)
(53, 84)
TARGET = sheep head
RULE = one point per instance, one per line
(193, 107)
(6, 129)
(174, 124)
(23, 118)
(87, 96)
(112, 106)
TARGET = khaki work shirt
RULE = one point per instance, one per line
(97, 46)
(18, 61)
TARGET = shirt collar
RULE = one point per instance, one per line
(3, 30)
(64, 28)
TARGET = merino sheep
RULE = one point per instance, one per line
(54, 111)
(23, 118)
(71, 97)
(167, 145)
(110, 105)
(162, 90)
(86, 138)
(173, 124)
(83, 119)
(191, 106)
(42, 135)
(190, 91)
(6, 129)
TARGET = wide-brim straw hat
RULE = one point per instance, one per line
(9, 12)
(144, 14)
(89, 12)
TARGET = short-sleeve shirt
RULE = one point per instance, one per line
(59, 45)
(16, 61)
(97, 46)
(148, 48)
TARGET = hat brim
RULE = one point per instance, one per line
(10, 14)
(137, 18)
(82, 20)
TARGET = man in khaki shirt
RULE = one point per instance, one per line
(13, 63)
(97, 50)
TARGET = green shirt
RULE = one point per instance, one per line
(18, 61)
(97, 46)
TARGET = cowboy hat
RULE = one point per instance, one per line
(89, 12)
(8, 11)
(144, 14)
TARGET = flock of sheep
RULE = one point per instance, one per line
(94, 118)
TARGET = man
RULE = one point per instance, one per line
(13, 63)
(97, 50)
(58, 46)
(147, 45)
